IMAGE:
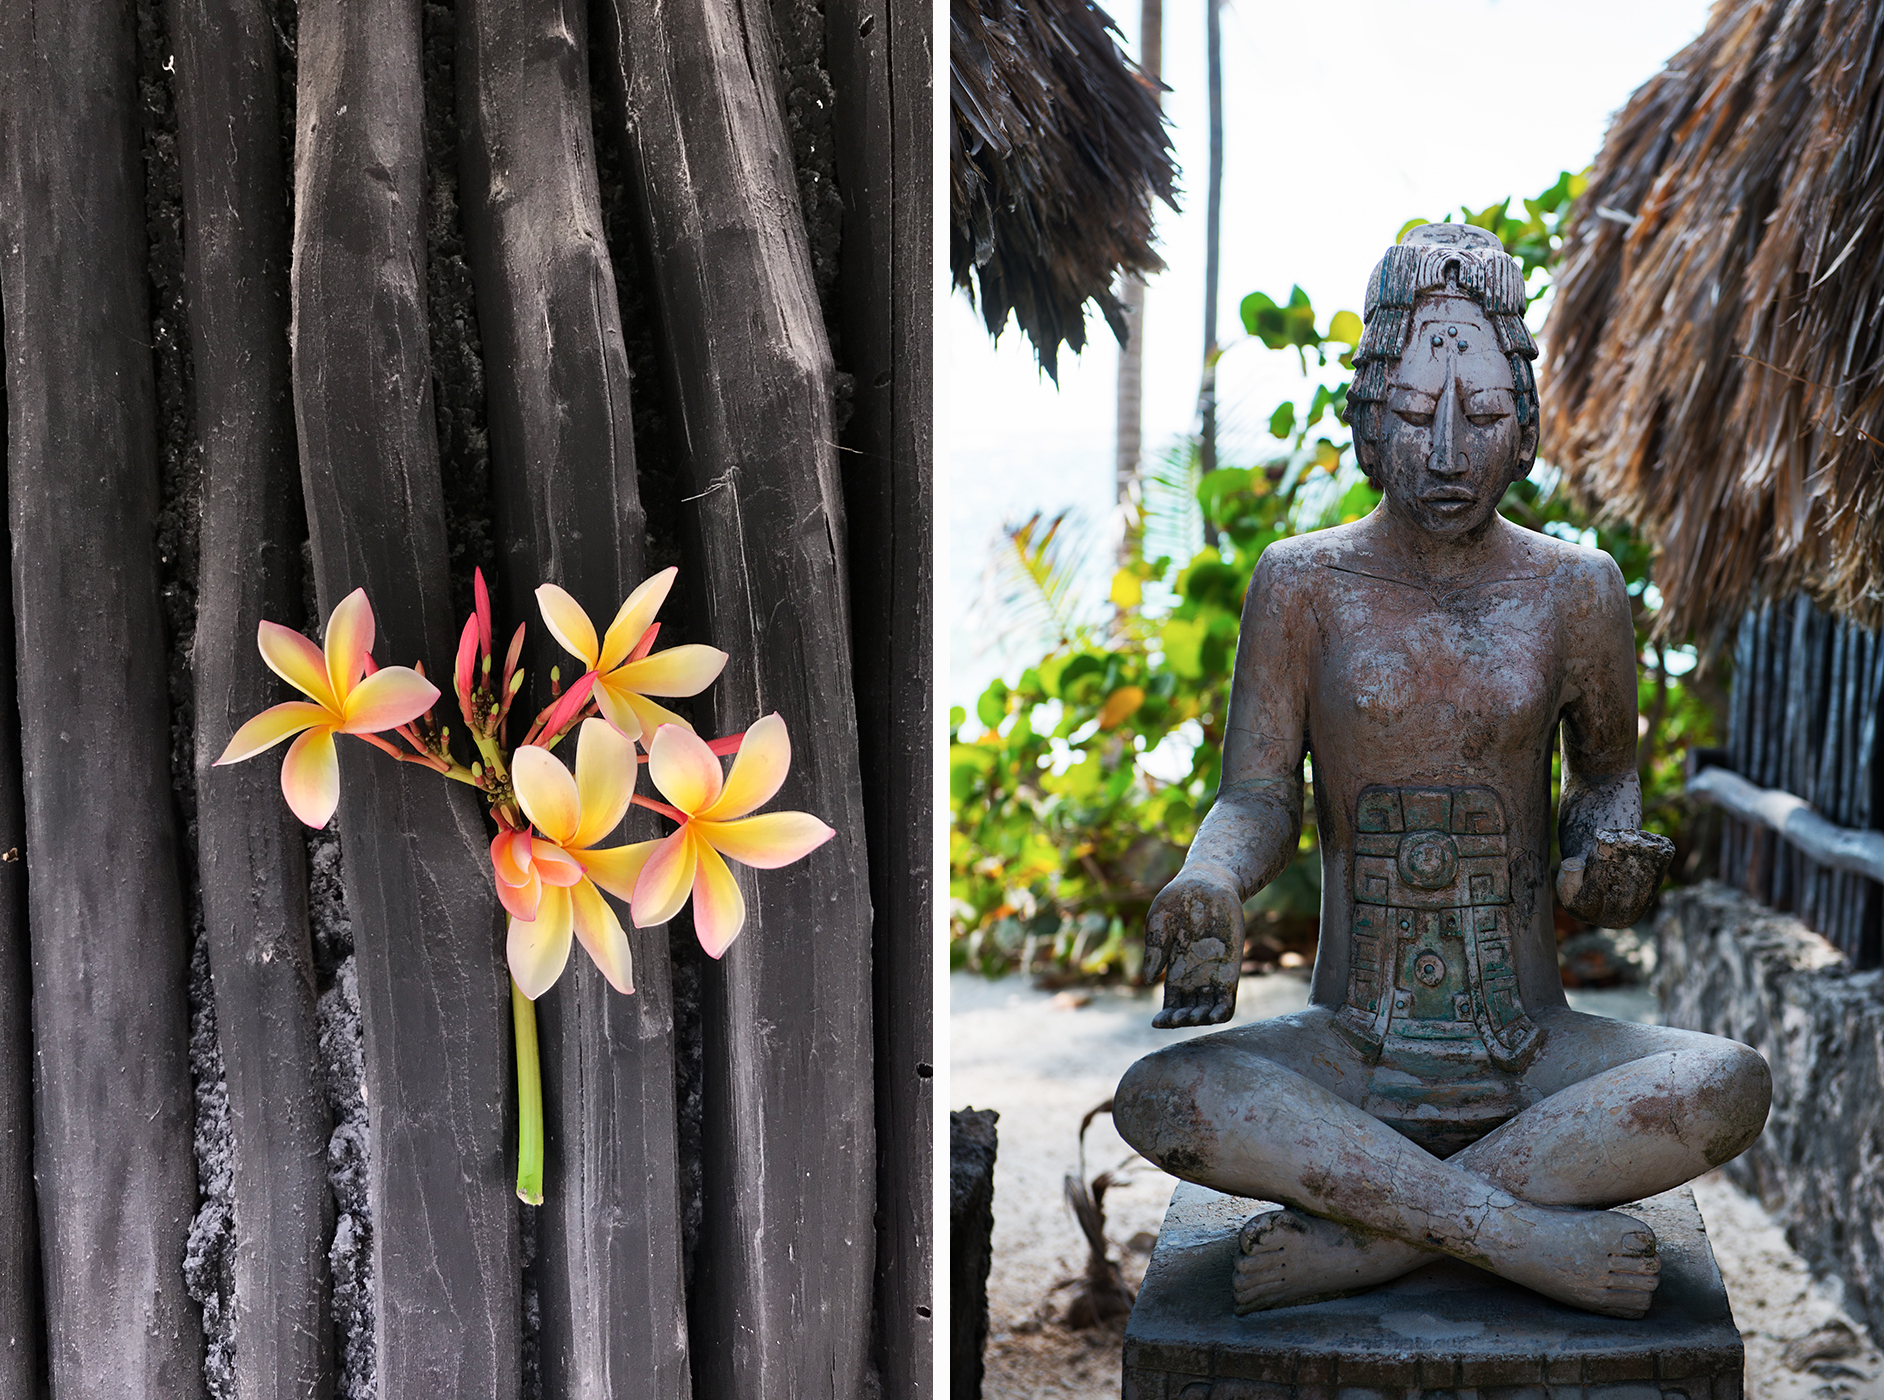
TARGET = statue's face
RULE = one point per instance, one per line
(1449, 437)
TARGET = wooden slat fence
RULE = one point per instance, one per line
(1804, 720)
(299, 298)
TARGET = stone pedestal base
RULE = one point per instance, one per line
(1445, 1332)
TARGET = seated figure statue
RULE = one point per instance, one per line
(1437, 1096)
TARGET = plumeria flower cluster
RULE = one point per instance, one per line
(550, 866)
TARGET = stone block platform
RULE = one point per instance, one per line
(1445, 1332)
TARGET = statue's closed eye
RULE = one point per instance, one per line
(1414, 416)
(1485, 419)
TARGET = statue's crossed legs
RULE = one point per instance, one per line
(1616, 1112)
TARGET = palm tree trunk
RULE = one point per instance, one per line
(1131, 390)
(1213, 218)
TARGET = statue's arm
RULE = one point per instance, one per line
(1194, 932)
(1611, 868)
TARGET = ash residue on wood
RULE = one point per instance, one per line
(464, 450)
(209, 1257)
(805, 86)
(659, 467)
(349, 1161)
(532, 1305)
(178, 457)
(285, 17)
(209, 1261)
(689, 1084)
(808, 99)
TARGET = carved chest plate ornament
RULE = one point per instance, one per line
(1432, 997)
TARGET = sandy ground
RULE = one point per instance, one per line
(1044, 1060)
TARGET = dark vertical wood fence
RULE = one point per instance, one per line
(1807, 691)
(880, 57)
(382, 365)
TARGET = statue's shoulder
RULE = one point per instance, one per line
(1589, 575)
(1301, 561)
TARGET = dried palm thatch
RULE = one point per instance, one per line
(1716, 351)
(1056, 153)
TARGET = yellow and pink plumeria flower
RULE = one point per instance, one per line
(626, 675)
(713, 812)
(339, 702)
(548, 879)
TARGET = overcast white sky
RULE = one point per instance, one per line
(1343, 119)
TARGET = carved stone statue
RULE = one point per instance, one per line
(1438, 1094)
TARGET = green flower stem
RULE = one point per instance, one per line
(529, 1100)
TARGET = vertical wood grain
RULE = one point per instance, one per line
(568, 511)
(783, 1292)
(433, 990)
(250, 850)
(880, 62)
(117, 1182)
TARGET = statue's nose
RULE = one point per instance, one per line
(1448, 452)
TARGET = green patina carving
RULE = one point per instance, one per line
(1432, 1000)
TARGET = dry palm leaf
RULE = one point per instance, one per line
(1056, 152)
(1716, 350)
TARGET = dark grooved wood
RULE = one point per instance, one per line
(433, 991)
(250, 850)
(569, 512)
(116, 1176)
(19, 1226)
(782, 1298)
(879, 57)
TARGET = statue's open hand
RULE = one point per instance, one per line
(1611, 883)
(1195, 933)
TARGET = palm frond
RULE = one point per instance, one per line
(1030, 590)
(1057, 151)
(1716, 347)
(1174, 521)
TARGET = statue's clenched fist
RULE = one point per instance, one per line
(1195, 934)
(1612, 881)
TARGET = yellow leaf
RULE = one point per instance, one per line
(1327, 455)
(1345, 327)
(1120, 705)
(1127, 590)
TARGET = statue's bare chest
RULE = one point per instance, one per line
(1471, 683)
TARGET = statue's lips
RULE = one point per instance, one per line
(1449, 501)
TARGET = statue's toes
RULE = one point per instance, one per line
(1258, 1232)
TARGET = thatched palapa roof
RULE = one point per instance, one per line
(1056, 153)
(1715, 368)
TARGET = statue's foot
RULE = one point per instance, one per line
(1289, 1257)
(1594, 1259)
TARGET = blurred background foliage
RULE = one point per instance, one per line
(1076, 787)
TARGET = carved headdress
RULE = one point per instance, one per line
(1466, 260)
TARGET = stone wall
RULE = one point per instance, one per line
(1733, 967)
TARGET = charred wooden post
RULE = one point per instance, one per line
(568, 511)
(250, 851)
(431, 971)
(782, 1297)
(879, 56)
(19, 1226)
(117, 1183)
